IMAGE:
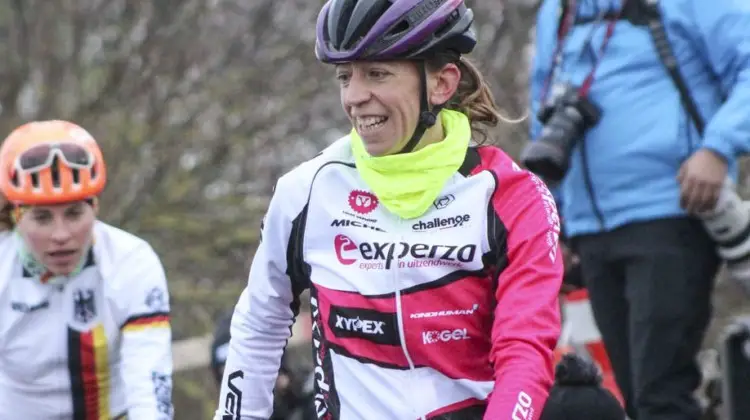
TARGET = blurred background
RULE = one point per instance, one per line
(200, 105)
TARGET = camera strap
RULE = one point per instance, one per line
(668, 59)
(567, 21)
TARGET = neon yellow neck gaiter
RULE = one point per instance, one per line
(408, 183)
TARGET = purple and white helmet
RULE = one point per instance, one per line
(378, 30)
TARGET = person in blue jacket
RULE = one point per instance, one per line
(634, 170)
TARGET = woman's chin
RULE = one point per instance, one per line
(377, 145)
(60, 266)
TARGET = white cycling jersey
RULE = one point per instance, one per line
(453, 315)
(96, 346)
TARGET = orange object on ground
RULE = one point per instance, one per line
(581, 336)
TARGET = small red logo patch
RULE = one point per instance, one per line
(362, 202)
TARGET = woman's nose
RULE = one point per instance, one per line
(61, 232)
(356, 92)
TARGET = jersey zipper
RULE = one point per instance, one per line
(399, 306)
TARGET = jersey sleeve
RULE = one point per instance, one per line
(262, 320)
(526, 326)
(145, 351)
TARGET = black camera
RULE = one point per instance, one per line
(565, 118)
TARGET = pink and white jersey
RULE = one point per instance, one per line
(451, 315)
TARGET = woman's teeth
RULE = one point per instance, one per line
(370, 123)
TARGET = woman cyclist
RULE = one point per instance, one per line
(433, 265)
(84, 327)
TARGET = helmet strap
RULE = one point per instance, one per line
(427, 117)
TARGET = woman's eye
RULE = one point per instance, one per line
(73, 215)
(342, 77)
(42, 218)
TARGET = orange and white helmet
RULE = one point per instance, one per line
(51, 162)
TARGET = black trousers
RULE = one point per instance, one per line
(650, 287)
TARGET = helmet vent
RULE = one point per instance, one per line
(55, 170)
(361, 20)
(400, 28)
(338, 20)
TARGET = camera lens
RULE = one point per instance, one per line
(565, 121)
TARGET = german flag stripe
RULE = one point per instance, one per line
(89, 373)
(145, 321)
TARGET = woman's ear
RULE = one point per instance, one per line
(444, 83)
